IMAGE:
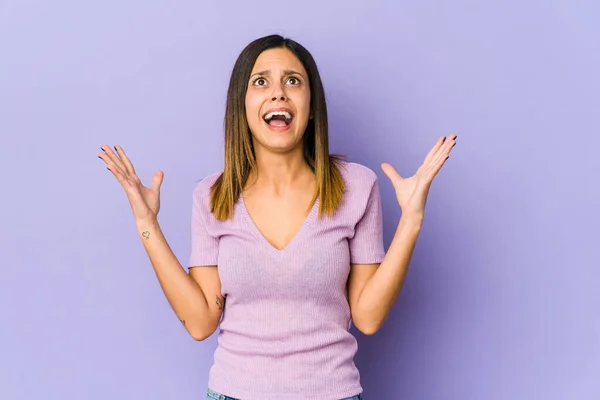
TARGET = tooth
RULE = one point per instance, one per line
(286, 114)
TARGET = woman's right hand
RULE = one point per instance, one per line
(144, 201)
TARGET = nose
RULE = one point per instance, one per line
(278, 93)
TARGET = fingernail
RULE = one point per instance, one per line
(108, 168)
(443, 141)
(115, 148)
(100, 157)
(102, 149)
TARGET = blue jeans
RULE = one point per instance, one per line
(212, 395)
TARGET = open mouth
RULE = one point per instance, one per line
(278, 118)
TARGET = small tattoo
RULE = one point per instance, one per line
(146, 235)
(183, 322)
(219, 303)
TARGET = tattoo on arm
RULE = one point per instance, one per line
(146, 234)
(220, 303)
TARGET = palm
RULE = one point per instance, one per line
(144, 201)
(412, 192)
(151, 198)
(408, 193)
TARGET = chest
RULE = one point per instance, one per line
(314, 261)
(278, 220)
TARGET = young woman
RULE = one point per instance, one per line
(287, 246)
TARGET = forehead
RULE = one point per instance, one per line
(278, 59)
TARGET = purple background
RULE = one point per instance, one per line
(502, 297)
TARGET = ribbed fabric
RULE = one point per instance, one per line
(285, 327)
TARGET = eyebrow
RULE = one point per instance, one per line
(286, 72)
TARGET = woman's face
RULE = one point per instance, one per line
(278, 100)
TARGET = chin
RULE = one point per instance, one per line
(278, 140)
(281, 144)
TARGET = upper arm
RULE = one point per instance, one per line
(365, 245)
(358, 278)
(203, 259)
(207, 277)
(366, 242)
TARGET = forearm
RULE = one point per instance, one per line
(381, 291)
(183, 294)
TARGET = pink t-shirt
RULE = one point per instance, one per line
(284, 333)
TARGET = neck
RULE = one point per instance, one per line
(279, 170)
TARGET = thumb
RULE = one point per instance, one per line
(391, 172)
(157, 180)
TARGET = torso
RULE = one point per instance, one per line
(285, 327)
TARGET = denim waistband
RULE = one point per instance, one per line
(212, 395)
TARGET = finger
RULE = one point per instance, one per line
(109, 162)
(438, 166)
(445, 149)
(434, 150)
(114, 158)
(391, 173)
(117, 174)
(447, 145)
(442, 158)
(125, 159)
(157, 180)
(430, 168)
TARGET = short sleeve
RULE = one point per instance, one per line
(366, 246)
(204, 246)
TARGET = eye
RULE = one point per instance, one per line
(259, 81)
(293, 80)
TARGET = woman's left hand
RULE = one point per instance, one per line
(412, 192)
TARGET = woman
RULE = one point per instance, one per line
(287, 246)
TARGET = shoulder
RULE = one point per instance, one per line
(361, 187)
(201, 192)
(357, 177)
(203, 186)
(360, 196)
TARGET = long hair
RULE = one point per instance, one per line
(239, 151)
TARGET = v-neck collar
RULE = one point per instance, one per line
(308, 220)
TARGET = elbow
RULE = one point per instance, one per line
(200, 329)
(368, 328)
(368, 323)
(199, 335)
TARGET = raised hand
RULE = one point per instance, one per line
(412, 192)
(144, 201)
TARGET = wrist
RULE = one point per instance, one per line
(412, 219)
(147, 228)
(146, 223)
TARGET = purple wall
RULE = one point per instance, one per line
(502, 298)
